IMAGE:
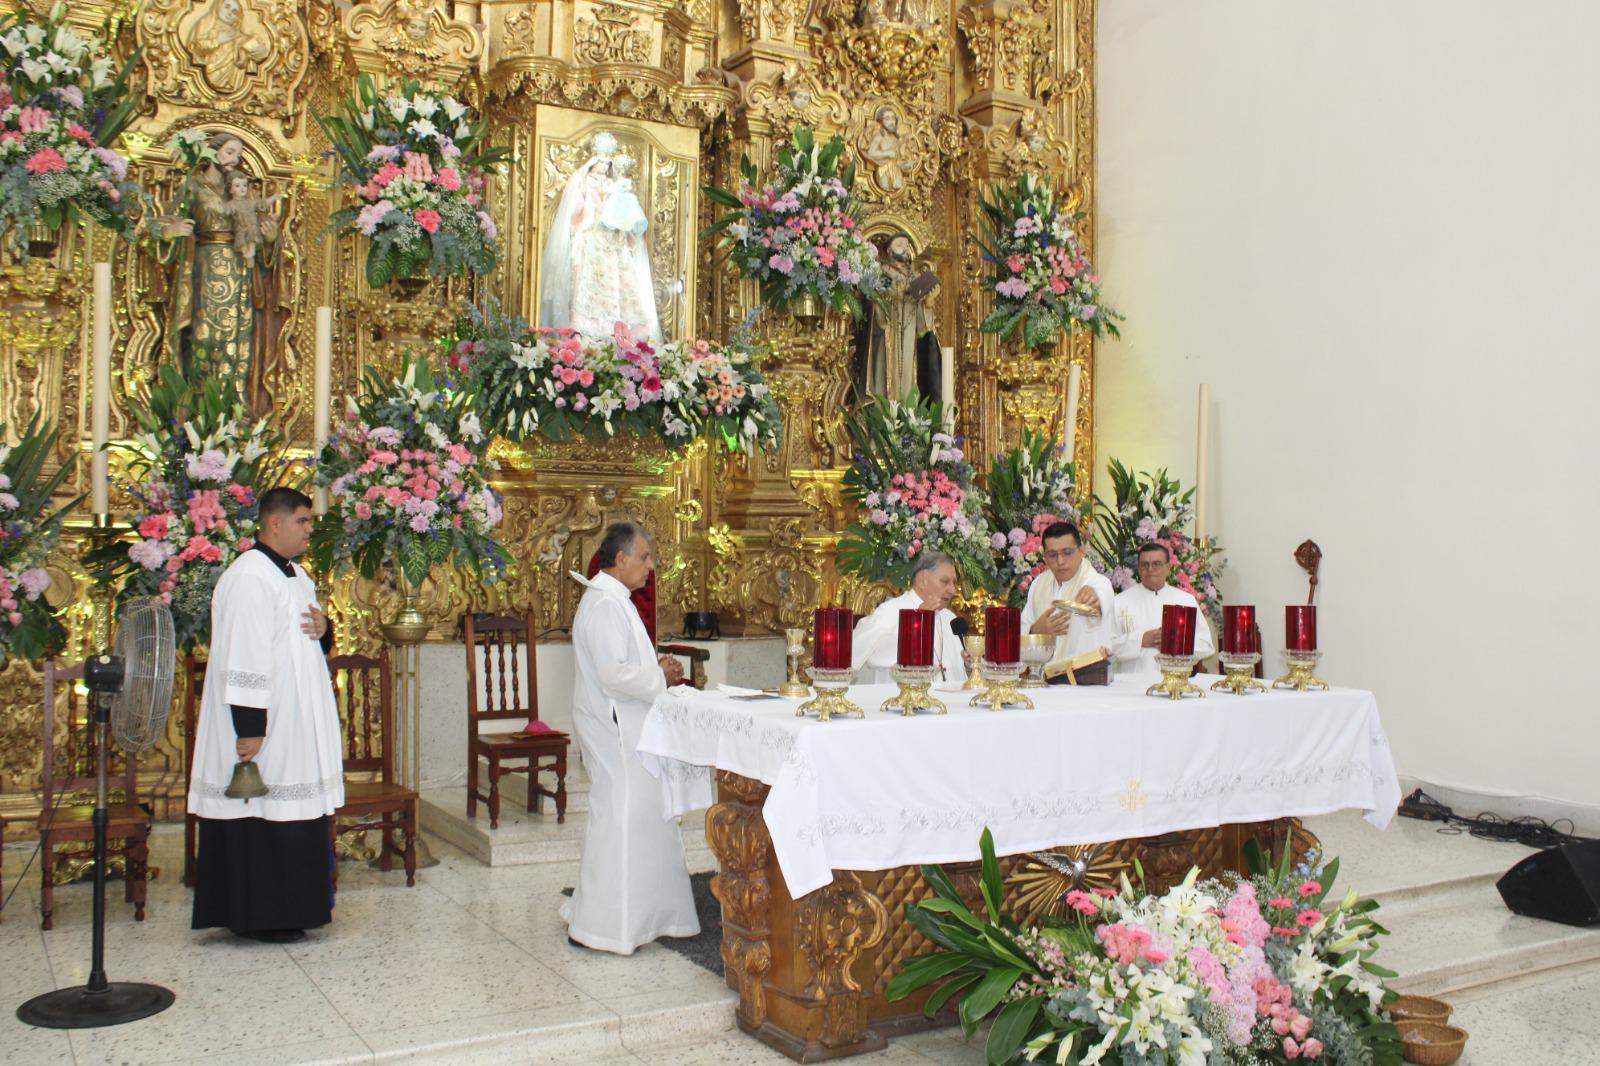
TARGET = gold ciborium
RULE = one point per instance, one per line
(794, 688)
(1302, 671)
(1037, 648)
(830, 700)
(1000, 686)
(974, 645)
(1239, 673)
(1174, 683)
(914, 682)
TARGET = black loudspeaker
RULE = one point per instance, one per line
(1558, 884)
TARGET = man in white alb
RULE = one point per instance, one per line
(876, 640)
(633, 880)
(1139, 614)
(1070, 576)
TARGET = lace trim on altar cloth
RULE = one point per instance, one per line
(245, 679)
(304, 790)
(736, 723)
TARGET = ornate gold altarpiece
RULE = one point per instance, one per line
(934, 99)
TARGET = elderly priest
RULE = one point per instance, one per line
(633, 880)
(1139, 614)
(933, 586)
(1072, 578)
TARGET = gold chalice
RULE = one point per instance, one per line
(974, 645)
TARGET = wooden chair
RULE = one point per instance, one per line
(698, 657)
(496, 647)
(62, 821)
(195, 668)
(364, 689)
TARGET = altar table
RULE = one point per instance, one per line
(819, 827)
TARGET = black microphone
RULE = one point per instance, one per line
(958, 626)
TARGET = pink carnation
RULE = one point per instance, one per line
(428, 220)
(45, 161)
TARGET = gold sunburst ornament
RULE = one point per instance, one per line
(1041, 883)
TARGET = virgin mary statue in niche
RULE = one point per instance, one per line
(595, 270)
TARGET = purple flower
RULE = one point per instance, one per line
(948, 525)
(879, 517)
(1087, 311)
(210, 465)
(70, 95)
(367, 221)
(420, 523)
(384, 153)
(1016, 536)
(998, 541)
(387, 435)
(1013, 287)
(1121, 578)
(486, 224)
(872, 499)
(150, 554)
(113, 162)
(34, 582)
(8, 502)
(1147, 529)
(781, 263)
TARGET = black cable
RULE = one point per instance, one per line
(1528, 831)
(28, 866)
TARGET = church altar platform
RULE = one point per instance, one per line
(819, 828)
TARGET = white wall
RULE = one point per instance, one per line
(1372, 227)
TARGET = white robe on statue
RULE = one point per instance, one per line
(875, 645)
(261, 658)
(1138, 611)
(633, 880)
(1084, 634)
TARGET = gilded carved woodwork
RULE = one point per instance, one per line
(245, 56)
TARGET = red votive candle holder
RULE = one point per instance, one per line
(1300, 627)
(1238, 629)
(833, 629)
(916, 637)
(1177, 629)
(1002, 634)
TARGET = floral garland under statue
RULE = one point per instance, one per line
(1030, 488)
(1149, 508)
(798, 235)
(62, 105)
(408, 484)
(30, 527)
(418, 164)
(195, 469)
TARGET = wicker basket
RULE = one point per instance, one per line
(1420, 1009)
(1431, 1043)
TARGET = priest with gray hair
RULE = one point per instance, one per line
(876, 641)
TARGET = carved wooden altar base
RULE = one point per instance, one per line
(812, 973)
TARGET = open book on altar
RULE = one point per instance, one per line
(1090, 668)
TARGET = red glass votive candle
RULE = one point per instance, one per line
(1002, 635)
(1177, 629)
(1300, 627)
(833, 629)
(1238, 629)
(916, 637)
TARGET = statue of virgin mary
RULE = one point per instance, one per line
(595, 270)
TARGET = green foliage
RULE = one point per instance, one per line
(28, 532)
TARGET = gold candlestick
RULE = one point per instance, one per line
(974, 646)
(1001, 688)
(1302, 671)
(1174, 683)
(794, 688)
(1239, 673)
(830, 700)
(914, 682)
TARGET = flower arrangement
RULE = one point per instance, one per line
(62, 105)
(29, 529)
(1030, 488)
(1153, 507)
(1042, 281)
(417, 162)
(797, 235)
(195, 469)
(916, 489)
(1266, 969)
(559, 384)
(408, 481)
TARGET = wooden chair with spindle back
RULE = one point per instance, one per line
(363, 687)
(62, 821)
(498, 647)
(195, 670)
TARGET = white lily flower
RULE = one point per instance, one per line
(423, 128)
(194, 437)
(35, 70)
(398, 106)
(34, 33)
(14, 42)
(100, 72)
(470, 428)
(67, 43)
(425, 106)
(454, 109)
(463, 131)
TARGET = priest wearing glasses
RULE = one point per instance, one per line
(1139, 614)
(1070, 578)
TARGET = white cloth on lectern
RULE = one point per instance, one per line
(1138, 611)
(1084, 634)
(633, 880)
(875, 644)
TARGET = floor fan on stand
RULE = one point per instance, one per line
(130, 692)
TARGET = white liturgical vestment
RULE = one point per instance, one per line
(1084, 634)
(633, 880)
(260, 657)
(875, 644)
(1138, 611)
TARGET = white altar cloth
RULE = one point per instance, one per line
(1087, 765)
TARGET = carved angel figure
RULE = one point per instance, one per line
(226, 47)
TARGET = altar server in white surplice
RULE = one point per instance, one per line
(1070, 576)
(876, 641)
(1139, 615)
(633, 881)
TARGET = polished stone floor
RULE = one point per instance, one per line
(472, 966)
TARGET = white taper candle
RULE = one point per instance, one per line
(322, 391)
(1202, 453)
(100, 419)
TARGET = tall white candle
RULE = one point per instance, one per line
(947, 384)
(1202, 461)
(322, 394)
(1069, 414)
(100, 420)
